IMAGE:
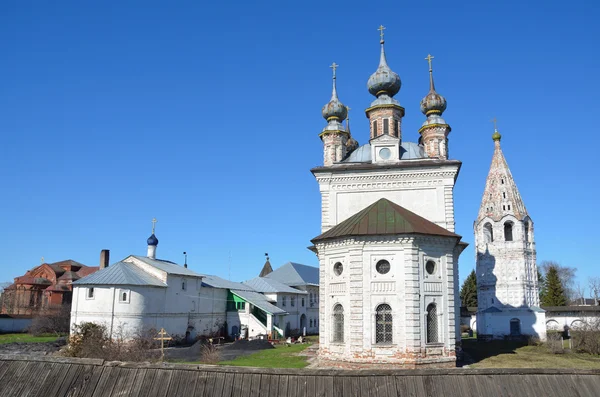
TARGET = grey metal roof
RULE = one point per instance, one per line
(218, 282)
(120, 273)
(167, 266)
(296, 274)
(271, 285)
(259, 300)
(408, 151)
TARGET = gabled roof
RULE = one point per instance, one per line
(271, 285)
(259, 300)
(296, 274)
(167, 266)
(384, 218)
(218, 282)
(266, 269)
(120, 273)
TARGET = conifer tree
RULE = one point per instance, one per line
(468, 291)
(541, 285)
(555, 291)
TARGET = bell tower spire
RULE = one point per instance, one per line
(435, 130)
(334, 135)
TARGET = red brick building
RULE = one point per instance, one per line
(44, 286)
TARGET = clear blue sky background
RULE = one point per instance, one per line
(206, 116)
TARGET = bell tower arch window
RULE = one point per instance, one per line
(508, 231)
(488, 233)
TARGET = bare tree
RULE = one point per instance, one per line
(594, 286)
(566, 275)
(580, 291)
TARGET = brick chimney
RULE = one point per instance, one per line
(104, 258)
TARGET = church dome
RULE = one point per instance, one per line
(384, 80)
(334, 109)
(152, 240)
(433, 103)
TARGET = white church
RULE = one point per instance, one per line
(388, 253)
(144, 292)
(507, 285)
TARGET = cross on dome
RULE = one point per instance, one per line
(381, 28)
(153, 224)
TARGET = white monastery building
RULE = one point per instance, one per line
(143, 292)
(507, 285)
(388, 253)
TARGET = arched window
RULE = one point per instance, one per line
(526, 230)
(432, 324)
(488, 233)
(383, 324)
(374, 128)
(508, 231)
(124, 297)
(515, 327)
(338, 324)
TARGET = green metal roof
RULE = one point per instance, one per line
(384, 218)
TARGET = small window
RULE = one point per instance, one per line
(90, 293)
(502, 181)
(508, 234)
(382, 266)
(526, 231)
(432, 324)
(293, 301)
(338, 324)
(310, 323)
(302, 302)
(240, 305)
(515, 327)
(386, 126)
(503, 208)
(183, 285)
(374, 128)
(503, 194)
(124, 296)
(488, 233)
(383, 324)
(430, 267)
(509, 207)
(338, 268)
(283, 300)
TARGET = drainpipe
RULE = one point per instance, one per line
(112, 317)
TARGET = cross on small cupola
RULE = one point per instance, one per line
(381, 28)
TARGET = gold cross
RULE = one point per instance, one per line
(153, 224)
(428, 59)
(495, 121)
(334, 66)
(42, 261)
(381, 28)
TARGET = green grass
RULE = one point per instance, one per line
(506, 354)
(11, 338)
(281, 357)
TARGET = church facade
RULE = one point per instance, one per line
(507, 285)
(388, 253)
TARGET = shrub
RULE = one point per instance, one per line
(554, 342)
(90, 340)
(586, 338)
(53, 320)
(209, 354)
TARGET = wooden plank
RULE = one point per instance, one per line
(283, 385)
(105, 384)
(20, 378)
(328, 386)
(236, 389)
(160, 384)
(37, 381)
(55, 378)
(9, 375)
(70, 380)
(292, 386)
(145, 388)
(228, 385)
(274, 385)
(310, 386)
(176, 382)
(90, 384)
(217, 389)
(246, 384)
(303, 386)
(4, 365)
(188, 386)
(338, 386)
(201, 384)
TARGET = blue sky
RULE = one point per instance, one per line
(206, 116)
